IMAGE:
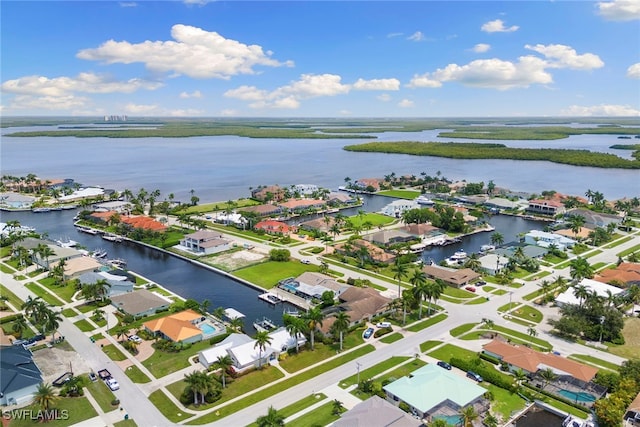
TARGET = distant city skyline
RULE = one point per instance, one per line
(200, 58)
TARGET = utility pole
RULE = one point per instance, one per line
(358, 365)
(602, 318)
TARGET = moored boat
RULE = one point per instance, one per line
(99, 253)
(264, 325)
(112, 238)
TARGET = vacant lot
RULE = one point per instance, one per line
(55, 361)
(631, 347)
(231, 261)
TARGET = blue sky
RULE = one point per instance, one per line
(321, 59)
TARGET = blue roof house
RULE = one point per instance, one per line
(19, 375)
(433, 392)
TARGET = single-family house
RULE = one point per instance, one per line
(81, 194)
(396, 208)
(177, 327)
(545, 239)
(16, 201)
(337, 198)
(376, 253)
(210, 356)
(305, 189)
(451, 276)
(299, 205)
(19, 375)
(531, 361)
(390, 237)
(268, 193)
(262, 210)
(205, 242)
(367, 184)
(140, 303)
(78, 266)
(594, 219)
(120, 206)
(118, 284)
(633, 412)
(144, 223)
(529, 251)
(321, 224)
(431, 391)
(375, 411)
(59, 253)
(593, 286)
(500, 203)
(311, 285)
(360, 304)
(271, 226)
(493, 263)
(627, 274)
(545, 207)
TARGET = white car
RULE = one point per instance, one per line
(383, 325)
(113, 384)
(135, 338)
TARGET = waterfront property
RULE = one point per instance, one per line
(396, 208)
(360, 304)
(262, 210)
(59, 253)
(311, 285)
(493, 263)
(390, 237)
(545, 240)
(320, 224)
(204, 242)
(75, 267)
(19, 375)
(627, 273)
(593, 287)
(432, 392)
(117, 285)
(81, 194)
(268, 193)
(376, 411)
(16, 201)
(545, 207)
(119, 206)
(185, 326)
(594, 219)
(140, 303)
(374, 252)
(451, 276)
(299, 205)
(270, 226)
(632, 417)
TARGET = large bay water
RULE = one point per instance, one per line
(224, 167)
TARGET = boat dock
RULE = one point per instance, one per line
(271, 298)
(264, 325)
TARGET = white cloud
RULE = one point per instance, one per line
(562, 56)
(385, 97)
(312, 85)
(128, 4)
(481, 48)
(197, 2)
(195, 53)
(189, 112)
(53, 103)
(392, 35)
(345, 112)
(377, 84)
(423, 80)
(194, 94)
(416, 37)
(83, 82)
(247, 93)
(601, 110)
(142, 109)
(633, 72)
(497, 26)
(405, 103)
(619, 10)
(290, 103)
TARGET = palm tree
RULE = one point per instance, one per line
(336, 407)
(45, 396)
(581, 292)
(437, 289)
(194, 384)
(313, 318)
(236, 324)
(341, 324)
(224, 363)
(473, 262)
(468, 415)
(102, 288)
(44, 252)
(204, 306)
(497, 238)
(399, 272)
(262, 341)
(520, 376)
(272, 419)
(580, 269)
(51, 322)
(295, 326)
(548, 376)
(488, 323)
(122, 331)
(19, 326)
(532, 332)
(420, 289)
(575, 223)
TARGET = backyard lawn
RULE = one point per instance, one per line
(64, 291)
(162, 363)
(400, 194)
(167, 407)
(268, 274)
(504, 402)
(448, 351)
(375, 219)
(46, 296)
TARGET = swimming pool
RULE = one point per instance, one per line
(452, 420)
(289, 287)
(207, 329)
(580, 396)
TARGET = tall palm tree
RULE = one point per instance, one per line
(313, 319)
(469, 415)
(224, 363)
(532, 332)
(45, 396)
(548, 376)
(102, 288)
(437, 289)
(272, 419)
(575, 224)
(341, 324)
(51, 322)
(581, 292)
(520, 376)
(420, 289)
(497, 238)
(44, 252)
(262, 341)
(194, 384)
(580, 269)
(473, 262)
(236, 324)
(19, 326)
(295, 326)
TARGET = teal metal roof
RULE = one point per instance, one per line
(431, 385)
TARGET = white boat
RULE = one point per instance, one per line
(572, 421)
(487, 248)
(118, 263)
(264, 325)
(459, 256)
(88, 230)
(424, 200)
(112, 238)
(99, 253)
(40, 210)
(66, 243)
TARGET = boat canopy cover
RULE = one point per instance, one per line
(232, 313)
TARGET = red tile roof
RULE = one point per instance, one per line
(143, 222)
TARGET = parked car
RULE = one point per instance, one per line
(383, 325)
(474, 376)
(113, 384)
(93, 376)
(305, 261)
(470, 288)
(135, 338)
(444, 365)
(480, 283)
(19, 342)
(367, 334)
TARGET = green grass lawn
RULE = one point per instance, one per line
(220, 206)
(458, 293)
(524, 337)
(416, 327)
(508, 306)
(12, 298)
(84, 325)
(64, 291)
(161, 363)
(594, 361)
(400, 194)
(102, 394)
(631, 334)
(298, 406)
(77, 408)
(479, 300)
(268, 274)
(504, 402)
(294, 362)
(167, 407)
(69, 312)
(447, 351)
(6, 269)
(375, 219)
(428, 345)
(499, 292)
(113, 352)
(618, 242)
(283, 385)
(528, 313)
(235, 387)
(46, 296)
(373, 371)
(388, 339)
(320, 416)
(460, 330)
(125, 423)
(136, 375)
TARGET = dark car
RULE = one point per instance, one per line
(367, 333)
(444, 365)
(474, 376)
(93, 376)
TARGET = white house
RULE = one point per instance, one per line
(306, 189)
(398, 207)
(493, 263)
(544, 239)
(205, 242)
(568, 297)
